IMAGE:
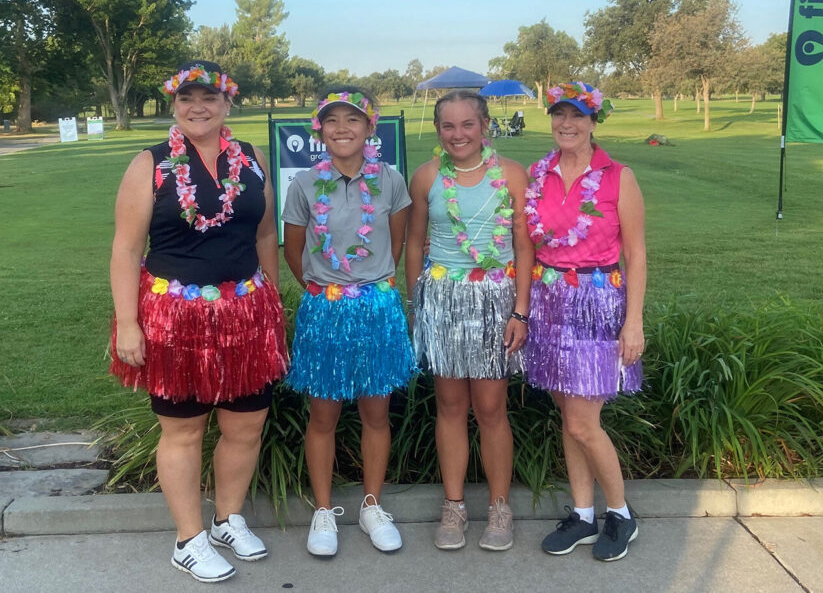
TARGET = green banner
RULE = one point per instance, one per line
(804, 102)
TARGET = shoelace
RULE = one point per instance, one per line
(324, 519)
(382, 516)
(568, 522)
(613, 521)
(201, 549)
(451, 516)
(242, 530)
(498, 517)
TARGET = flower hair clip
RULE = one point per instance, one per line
(356, 100)
(199, 75)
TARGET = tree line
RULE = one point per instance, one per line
(60, 57)
(655, 48)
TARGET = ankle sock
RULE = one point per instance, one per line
(181, 545)
(586, 514)
(622, 511)
(460, 503)
(216, 522)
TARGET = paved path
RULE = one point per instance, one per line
(10, 144)
(685, 554)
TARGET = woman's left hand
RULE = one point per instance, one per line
(631, 343)
(515, 336)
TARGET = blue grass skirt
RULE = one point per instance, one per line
(350, 342)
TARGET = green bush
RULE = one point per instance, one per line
(729, 394)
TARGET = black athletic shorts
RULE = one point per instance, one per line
(193, 408)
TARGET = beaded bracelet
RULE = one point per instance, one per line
(520, 318)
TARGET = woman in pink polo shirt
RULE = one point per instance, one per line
(585, 327)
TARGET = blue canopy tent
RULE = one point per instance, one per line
(453, 78)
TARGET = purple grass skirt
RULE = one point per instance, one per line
(573, 330)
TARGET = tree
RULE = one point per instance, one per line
(617, 37)
(256, 42)
(539, 55)
(130, 35)
(25, 26)
(306, 78)
(698, 45)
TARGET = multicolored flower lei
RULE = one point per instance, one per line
(359, 101)
(503, 212)
(219, 81)
(577, 90)
(335, 292)
(579, 232)
(368, 190)
(191, 292)
(186, 192)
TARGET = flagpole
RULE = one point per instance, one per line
(785, 111)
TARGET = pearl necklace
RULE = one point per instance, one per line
(186, 192)
(503, 212)
(470, 169)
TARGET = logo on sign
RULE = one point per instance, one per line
(809, 47)
(295, 143)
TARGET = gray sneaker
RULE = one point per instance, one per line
(453, 523)
(499, 532)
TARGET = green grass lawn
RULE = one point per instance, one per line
(711, 232)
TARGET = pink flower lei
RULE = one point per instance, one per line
(503, 212)
(186, 192)
(579, 232)
(368, 190)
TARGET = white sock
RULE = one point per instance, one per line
(622, 511)
(586, 514)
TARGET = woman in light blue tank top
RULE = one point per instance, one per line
(471, 304)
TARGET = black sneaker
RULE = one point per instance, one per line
(617, 533)
(570, 532)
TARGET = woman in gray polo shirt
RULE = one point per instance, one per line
(345, 222)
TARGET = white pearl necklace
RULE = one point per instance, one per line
(470, 169)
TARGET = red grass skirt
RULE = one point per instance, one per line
(210, 351)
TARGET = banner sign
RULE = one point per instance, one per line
(292, 149)
(804, 60)
(94, 128)
(68, 129)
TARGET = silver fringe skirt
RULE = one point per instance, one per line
(460, 321)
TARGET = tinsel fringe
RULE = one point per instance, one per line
(459, 326)
(572, 346)
(351, 347)
(209, 351)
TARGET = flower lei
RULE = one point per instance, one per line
(200, 74)
(368, 190)
(503, 211)
(577, 91)
(186, 192)
(579, 232)
(357, 100)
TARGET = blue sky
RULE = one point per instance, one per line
(368, 36)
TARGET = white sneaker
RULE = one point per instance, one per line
(201, 560)
(323, 531)
(379, 525)
(234, 534)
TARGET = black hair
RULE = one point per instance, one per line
(480, 105)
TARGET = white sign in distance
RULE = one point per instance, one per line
(68, 129)
(94, 128)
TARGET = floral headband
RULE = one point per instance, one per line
(586, 98)
(199, 75)
(356, 100)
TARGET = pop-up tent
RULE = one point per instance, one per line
(453, 78)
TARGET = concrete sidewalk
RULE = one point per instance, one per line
(695, 535)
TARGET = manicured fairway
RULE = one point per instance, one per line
(711, 232)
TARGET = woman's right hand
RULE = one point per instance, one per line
(131, 344)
